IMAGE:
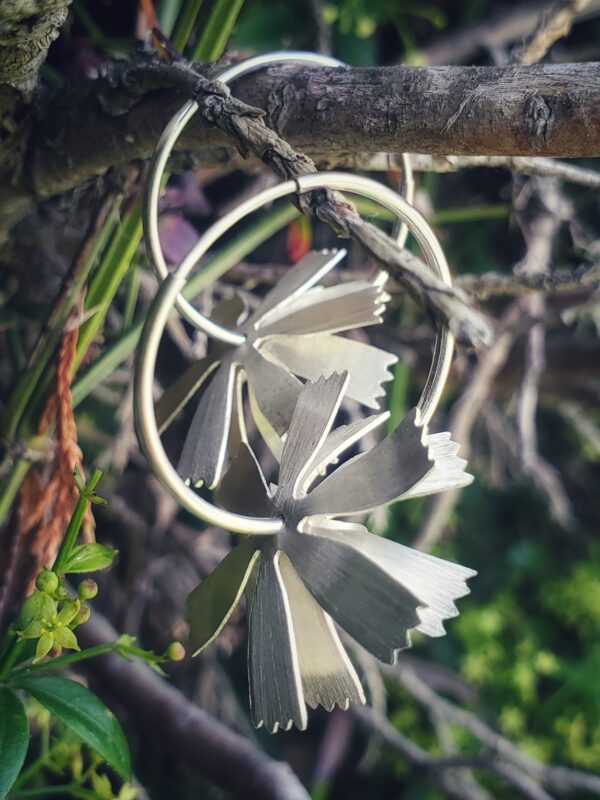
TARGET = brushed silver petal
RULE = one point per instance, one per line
(272, 439)
(329, 309)
(328, 677)
(243, 489)
(367, 602)
(313, 417)
(212, 602)
(179, 393)
(435, 582)
(204, 450)
(308, 271)
(381, 475)
(276, 390)
(448, 469)
(237, 429)
(276, 697)
(226, 312)
(339, 440)
(323, 353)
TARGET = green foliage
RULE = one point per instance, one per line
(84, 714)
(47, 619)
(14, 738)
(52, 625)
(354, 24)
(526, 639)
(89, 558)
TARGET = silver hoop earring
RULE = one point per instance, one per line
(171, 287)
(167, 141)
(310, 569)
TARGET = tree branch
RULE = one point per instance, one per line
(515, 111)
(246, 127)
(158, 709)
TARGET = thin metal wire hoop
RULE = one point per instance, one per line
(163, 150)
(170, 288)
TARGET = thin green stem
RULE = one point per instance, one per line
(63, 661)
(398, 394)
(11, 654)
(131, 297)
(167, 15)
(444, 216)
(216, 32)
(72, 532)
(186, 20)
(43, 791)
(37, 375)
(106, 364)
(108, 276)
(12, 485)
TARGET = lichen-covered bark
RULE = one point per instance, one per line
(27, 29)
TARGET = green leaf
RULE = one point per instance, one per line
(211, 603)
(85, 715)
(14, 738)
(90, 558)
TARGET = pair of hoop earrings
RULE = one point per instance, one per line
(301, 566)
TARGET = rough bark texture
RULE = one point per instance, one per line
(541, 110)
(27, 29)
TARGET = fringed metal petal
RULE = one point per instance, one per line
(212, 602)
(273, 668)
(328, 677)
(322, 354)
(202, 459)
(294, 317)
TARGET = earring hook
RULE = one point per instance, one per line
(164, 147)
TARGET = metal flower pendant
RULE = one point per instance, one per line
(291, 333)
(319, 569)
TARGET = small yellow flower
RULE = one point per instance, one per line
(51, 627)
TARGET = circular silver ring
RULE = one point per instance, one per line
(166, 298)
(163, 150)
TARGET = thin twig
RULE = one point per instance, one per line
(559, 779)
(554, 24)
(495, 32)
(498, 284)
(585, 427)
(542, 167)
(540, 234)
(436, 767)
